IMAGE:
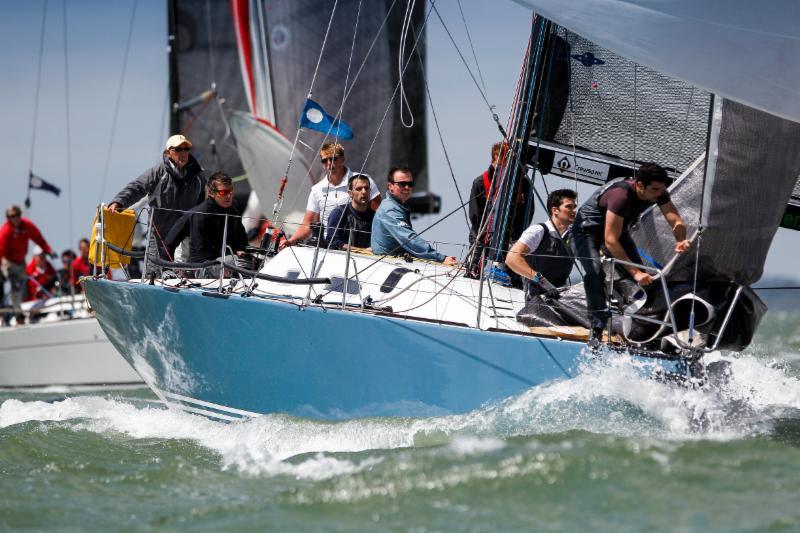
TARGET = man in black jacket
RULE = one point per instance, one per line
(204, 224)
(173, 186)
(483, 194)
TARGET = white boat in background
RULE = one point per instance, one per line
(65, 347)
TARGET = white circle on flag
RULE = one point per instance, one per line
(36, 181)
(314, 115)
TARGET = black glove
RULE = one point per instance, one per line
(547, 288)
(53, 255)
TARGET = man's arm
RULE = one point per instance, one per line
(515, 260)
(675, 222)
(239, 239)
(613, 231)
(413, 243)
(303, 231)
(134, 190)
(179, 231)
(36, 236)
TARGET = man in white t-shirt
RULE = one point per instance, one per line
(329, 193)
(541, 255)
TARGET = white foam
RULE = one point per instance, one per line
(472, 445)
(609, 397)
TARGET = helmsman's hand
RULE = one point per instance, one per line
(682, 246)
(643, 278)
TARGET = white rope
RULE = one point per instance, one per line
(404, 105)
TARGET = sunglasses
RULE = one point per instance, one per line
(12, 217)
(180, 149)
(408, 184)
(224, 192)
(325, 160)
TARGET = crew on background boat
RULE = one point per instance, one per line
(81, 266)
(482, 194)
(327, 194)
(42, 277)
(356, 215)
(542, 255)
(173, 186)
(65, 276)
(392, 233)
(204, 224)
(14, 237)
(602, 227)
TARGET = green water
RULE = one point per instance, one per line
(605, 451)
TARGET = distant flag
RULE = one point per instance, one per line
(315, 118)
(35, 182)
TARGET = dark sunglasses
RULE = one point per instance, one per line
(180, 149)
(325, 160)
(11, 217)
(408, 184)
(224, 192)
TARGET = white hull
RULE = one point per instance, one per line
(71, 353)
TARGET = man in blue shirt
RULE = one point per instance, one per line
(392, 233)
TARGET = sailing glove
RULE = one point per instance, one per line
(548, 289)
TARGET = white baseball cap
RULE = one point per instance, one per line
(177, 140)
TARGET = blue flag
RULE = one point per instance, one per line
(315, 118)
(35, 182)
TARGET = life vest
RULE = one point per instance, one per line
(591, 218)
(552, 258)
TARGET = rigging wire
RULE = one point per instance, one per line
(471, 46)
(313, 80)
(36, 100)
(492, 108)
(441, 138)
(117, 103)
(66, 108)
(314, 266)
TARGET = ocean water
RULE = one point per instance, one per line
(604, 451)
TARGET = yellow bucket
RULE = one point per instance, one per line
(118, 231)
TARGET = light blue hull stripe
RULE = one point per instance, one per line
(239, 357)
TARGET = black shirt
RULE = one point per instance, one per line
(204, 224)
(360, 221)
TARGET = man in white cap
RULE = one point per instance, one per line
(173, 186)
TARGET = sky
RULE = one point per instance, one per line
(91, 160)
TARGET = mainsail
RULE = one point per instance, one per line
(261, 56)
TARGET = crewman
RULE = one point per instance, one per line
(602, 225)
(541, 256)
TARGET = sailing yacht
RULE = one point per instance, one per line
(332, 334)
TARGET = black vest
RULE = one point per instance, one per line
(552, 258)
(591, 218)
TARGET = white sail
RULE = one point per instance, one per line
(743, 50)
(264, 152)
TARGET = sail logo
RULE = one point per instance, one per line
(583, 167)
(279, 37)
(588, 59)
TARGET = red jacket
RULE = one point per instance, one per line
(45, 280)
(80, 267)
(14, 240)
